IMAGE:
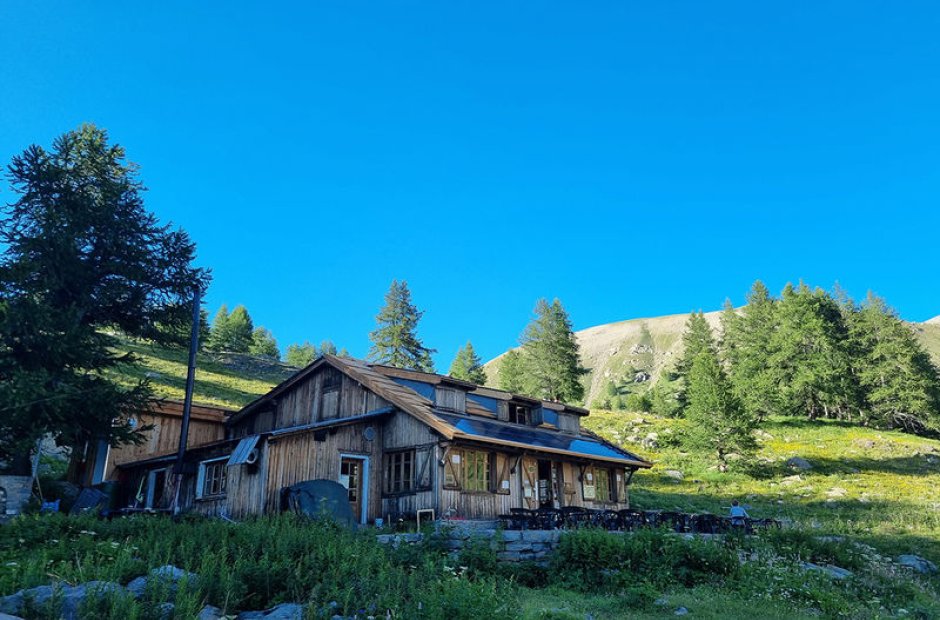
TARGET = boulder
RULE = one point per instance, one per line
(170, 575)
(284, 611)
(69, 597)
(919, 564)
(675, 474)
(210, 612)
(799, 463)
(681, 611)
(833, 571)
(4, 616)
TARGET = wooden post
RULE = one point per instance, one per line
(187, 402)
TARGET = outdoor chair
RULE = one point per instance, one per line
(631, 520)
(574, 516)
(524, 518)
(548, 518)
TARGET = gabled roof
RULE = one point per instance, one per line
(380, 380)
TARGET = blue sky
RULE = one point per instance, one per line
(631, 159)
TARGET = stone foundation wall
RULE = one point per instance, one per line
(510, 545)
(15, 491)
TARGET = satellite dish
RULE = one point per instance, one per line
(368, 433)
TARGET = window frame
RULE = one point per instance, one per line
(390, 466)
(202, 479)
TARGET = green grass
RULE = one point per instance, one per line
(881, 487)
(222, 379)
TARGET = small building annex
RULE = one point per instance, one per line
(399, 441)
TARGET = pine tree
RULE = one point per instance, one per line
(231, 332)
(716, 421)
(219, 332)
(511, 375)
(696, 338)
(809, 356)
(551, 360)
(900, 383)
(746, 348)
(300, 355)
(468, 366)
(81, 258)
(263, 343)
(395, 342)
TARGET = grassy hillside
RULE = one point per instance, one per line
(881, 487)
(616, 352)
(223, 379)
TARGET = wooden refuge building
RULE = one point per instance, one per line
(399, 441)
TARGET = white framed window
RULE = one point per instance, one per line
(212, 477)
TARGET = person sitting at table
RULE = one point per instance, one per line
(738, 514)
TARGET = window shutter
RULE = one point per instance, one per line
(200, 480)
(502, 479)
(423, 468)
(452, 469)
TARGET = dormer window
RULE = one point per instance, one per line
(450, 399)
(520, 414)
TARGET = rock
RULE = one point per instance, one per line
(284, 611)
(210, 612)
(865, 443)
(836, 492)
(4, 616)
(661, 602)
(763, 435)
(833, 571)
(70, 597)
(799, 463)
(651, 441)
(791, 480)
(681, 611)
(165, 611)
(170, 575)
(675, 474)
(919, 564)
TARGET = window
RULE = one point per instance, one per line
(520, 414)
(400, 471)
(476, 471)
(596, 484)
(211, 479)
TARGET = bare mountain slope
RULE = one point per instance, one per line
(637, 351)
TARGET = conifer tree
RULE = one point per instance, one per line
(300, 355)
(551, 360)
(264, 344)
(900, 383)
(511, 375)
(747, 350)
(716, 420)
(219, 332)
(232, 332)
(395, 342)
(696, 338)
(809, 356)
(327, 348)
(80, 258)
(468, 366)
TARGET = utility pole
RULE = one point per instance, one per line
(187, 402)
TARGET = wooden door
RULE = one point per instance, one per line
(350, 476)
(530, 490)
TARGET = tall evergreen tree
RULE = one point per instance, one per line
(300, 355)
(511, 374)
(747, 341)
(696, 338)
(82, 257)
(716, 419)
(551, 360)
(467, 366)
(900, 383)
(809, 356)
(395, 342)
(232, 332)
(263, 343)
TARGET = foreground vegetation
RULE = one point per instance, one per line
(331, 570)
